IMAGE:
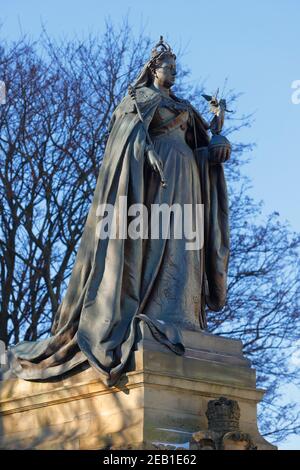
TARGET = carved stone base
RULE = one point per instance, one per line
(159, 403)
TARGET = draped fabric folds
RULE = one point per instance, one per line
(108, 291)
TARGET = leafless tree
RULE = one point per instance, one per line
(53, 128)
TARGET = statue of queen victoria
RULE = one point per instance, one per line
(158, 152)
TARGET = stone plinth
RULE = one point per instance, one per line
(161, 400)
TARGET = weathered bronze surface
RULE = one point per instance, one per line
(158, 151)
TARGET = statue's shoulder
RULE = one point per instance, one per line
(145, 97)
(180, 100)
(146, 94)
(126, 105)
(184, 101)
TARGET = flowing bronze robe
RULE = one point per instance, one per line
(108, 291)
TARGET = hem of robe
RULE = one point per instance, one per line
(166, 333)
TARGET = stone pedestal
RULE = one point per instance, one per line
(159, 403)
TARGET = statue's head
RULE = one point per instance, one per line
(162, 64)
(161, 67)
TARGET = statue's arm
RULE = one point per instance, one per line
(217, 122)
(218, 147)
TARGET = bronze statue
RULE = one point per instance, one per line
(158, 152)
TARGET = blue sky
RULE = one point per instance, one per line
(254, 44)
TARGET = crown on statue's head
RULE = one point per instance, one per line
(161, 49)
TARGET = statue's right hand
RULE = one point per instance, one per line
(156, 164)
(132, 92)
(153, 160)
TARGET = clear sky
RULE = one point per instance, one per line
(255, 44)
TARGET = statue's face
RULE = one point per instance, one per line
(165, 73)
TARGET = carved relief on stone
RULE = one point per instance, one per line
(223, 415)
(237, 441)
(223, 433)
